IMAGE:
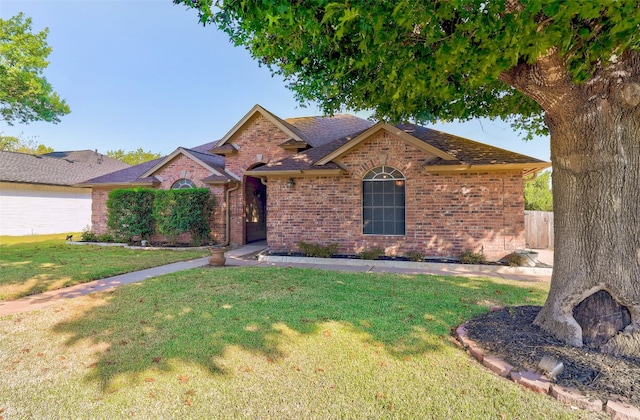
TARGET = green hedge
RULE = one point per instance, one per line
(130, 213)
(181, 211)
(142, 212)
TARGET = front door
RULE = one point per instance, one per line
(255, 210)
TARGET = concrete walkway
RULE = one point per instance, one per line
(245, 256)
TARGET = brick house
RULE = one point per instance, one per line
(349, 181)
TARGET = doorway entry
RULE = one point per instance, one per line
(255, 209)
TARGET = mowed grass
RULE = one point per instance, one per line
(264, 343)
(34, 264)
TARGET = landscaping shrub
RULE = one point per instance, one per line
(182, 211)
(470, 257)
(88, 235)
(317, 250)
(415, 256)
(516, 260)
(106, 237)
(130, 213)
(371, 254)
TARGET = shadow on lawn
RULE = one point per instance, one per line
(194, 316)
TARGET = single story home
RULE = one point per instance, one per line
(37, 193)
(346, 180)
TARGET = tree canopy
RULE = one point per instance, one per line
(426, 60)
(133, 157)
(537, 194)
(16, 144)
(25, 94)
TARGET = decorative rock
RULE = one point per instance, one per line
(497, 365)
(464, 338)
(622, 411)
(532, 380)
(475, 350)
(461, 330)
(575, 397)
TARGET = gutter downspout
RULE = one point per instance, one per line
(227, 228)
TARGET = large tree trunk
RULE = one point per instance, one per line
(595, 152)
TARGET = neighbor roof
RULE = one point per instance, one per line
(57, 168)
(128, 176)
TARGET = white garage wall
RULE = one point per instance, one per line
(27, 209)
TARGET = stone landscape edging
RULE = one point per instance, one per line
(541, 384)
(471, 268)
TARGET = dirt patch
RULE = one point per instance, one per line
(510, 334)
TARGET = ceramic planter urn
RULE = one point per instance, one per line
(217, 256)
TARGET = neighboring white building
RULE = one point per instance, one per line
(37, 193)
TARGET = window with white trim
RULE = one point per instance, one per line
(183, 184)
(383, 202)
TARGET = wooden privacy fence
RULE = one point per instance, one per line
(538, 229)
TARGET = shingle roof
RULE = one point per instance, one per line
(57, 168)
(204, 148)
(464, 150)
(326, 135)
(307, 158)
(319, 131)
(127, 175)
(214, 161)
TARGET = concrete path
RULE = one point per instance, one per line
(245, 256)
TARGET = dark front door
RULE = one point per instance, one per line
(255, 210)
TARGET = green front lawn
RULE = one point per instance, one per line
(34, 264)
(264, 343)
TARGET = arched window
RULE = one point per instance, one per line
(183, 184)
(383, 202)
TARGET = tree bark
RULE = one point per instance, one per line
(595, 152)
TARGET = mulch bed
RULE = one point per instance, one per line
(509, 333)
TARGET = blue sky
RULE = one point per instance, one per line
(144, 73)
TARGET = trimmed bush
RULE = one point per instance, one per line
(130, 213)
(88, 235)
(470, 257)
(317, 250)
(182, 211)
(415, 256)
(516, 260)
(371, 254)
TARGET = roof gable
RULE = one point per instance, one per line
(210, 162)
(345, 148)
(278, 122)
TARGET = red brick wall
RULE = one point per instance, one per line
(99, 198)
(445, 214)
